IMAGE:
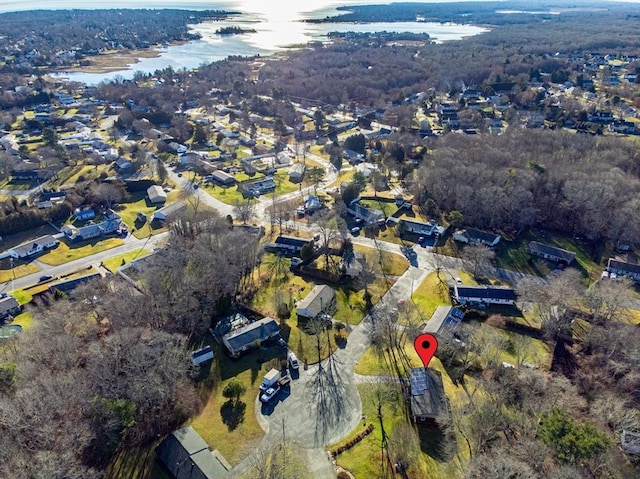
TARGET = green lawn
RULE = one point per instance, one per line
(10, 184)
(431, 294)
(22, 296)
(387, 207)
(112, 264)
(64, 252)
(229, 196)
(24, 319)
(232, 429)
(86, 173)
(383, 262)
(20, 269)
(138, 203)
(513, 255)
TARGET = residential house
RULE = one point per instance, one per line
(187, 456)
(622, 268)
(84, 215)
(363, 213)
(222, 178)
(552, 253)
(321, 299)
(429, 403)
(420, 228)
(474, 236)
(25, 175)
(109, 224)
(156, 194)
(444, 321)
(32, 248)
(53, 196)
(312, 204)
(600, 117)
(252, 335)
(177, 147)
(483, 295)
(288, 244)
(168, 212)
(8, 306)
(296, 172)
(254, 188)
(353, 157)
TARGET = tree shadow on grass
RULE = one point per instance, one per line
(232, 413)
(439, 442)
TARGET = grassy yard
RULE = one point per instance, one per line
(229, 196)
(22, 296)
(11, 184)
(513, 255)
(138, 203)
(20, 269)
(387, 207)
(430, 294)
(136, 463)
(112, 264)
(366, 458)
(383, 262)
(86, 173)
(64, 252)
(232, 429)
(24, 319)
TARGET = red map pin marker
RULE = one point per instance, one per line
(426, 346)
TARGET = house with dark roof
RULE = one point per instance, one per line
(84, 215)
(552, 253)
(252, 335)
(25, 175)
(444, 321)
(202, 355)
(421, 228)
(483, 295)
(428, 400)
(32, 248)
(622, 268)
(321, 299)
(8, 307)
(187, 456)
(289, 245)
(66, 286)
(363, 213)
(474, 236)
(222, 178)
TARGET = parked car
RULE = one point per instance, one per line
(293, 360)
(45, 277)
(355, 230)
(269, 394)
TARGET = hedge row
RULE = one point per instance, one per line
(352, 442)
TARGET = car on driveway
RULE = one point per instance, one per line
(355, 230)
(269, 394)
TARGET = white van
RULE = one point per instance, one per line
(293, 360)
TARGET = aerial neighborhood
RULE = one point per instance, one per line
(220, 272)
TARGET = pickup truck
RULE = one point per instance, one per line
(270, 393)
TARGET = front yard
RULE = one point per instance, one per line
(66, 252)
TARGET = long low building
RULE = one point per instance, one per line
(622, 268)
(484, 295)
(247, 337)
(551, 253)
(32, 248)
(444, 321)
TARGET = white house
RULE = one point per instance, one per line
(168, 212)
(321, 299)
(474, 236)
(31, 248)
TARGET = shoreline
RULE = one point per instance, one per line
(116, 61)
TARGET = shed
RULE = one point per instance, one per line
(201, 355)
(222, 178)
(254, 334)
(187, 456)
(321, 299)
(156, 194)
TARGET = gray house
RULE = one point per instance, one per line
(428, 399)
(557, 255)
(247, 337)
(8, 307)
(474, 236)
(321, 299)
(484, 295)
(622, 268)
(186, 456)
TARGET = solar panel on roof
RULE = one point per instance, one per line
(418, 381)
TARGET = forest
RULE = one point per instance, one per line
(108, 366)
